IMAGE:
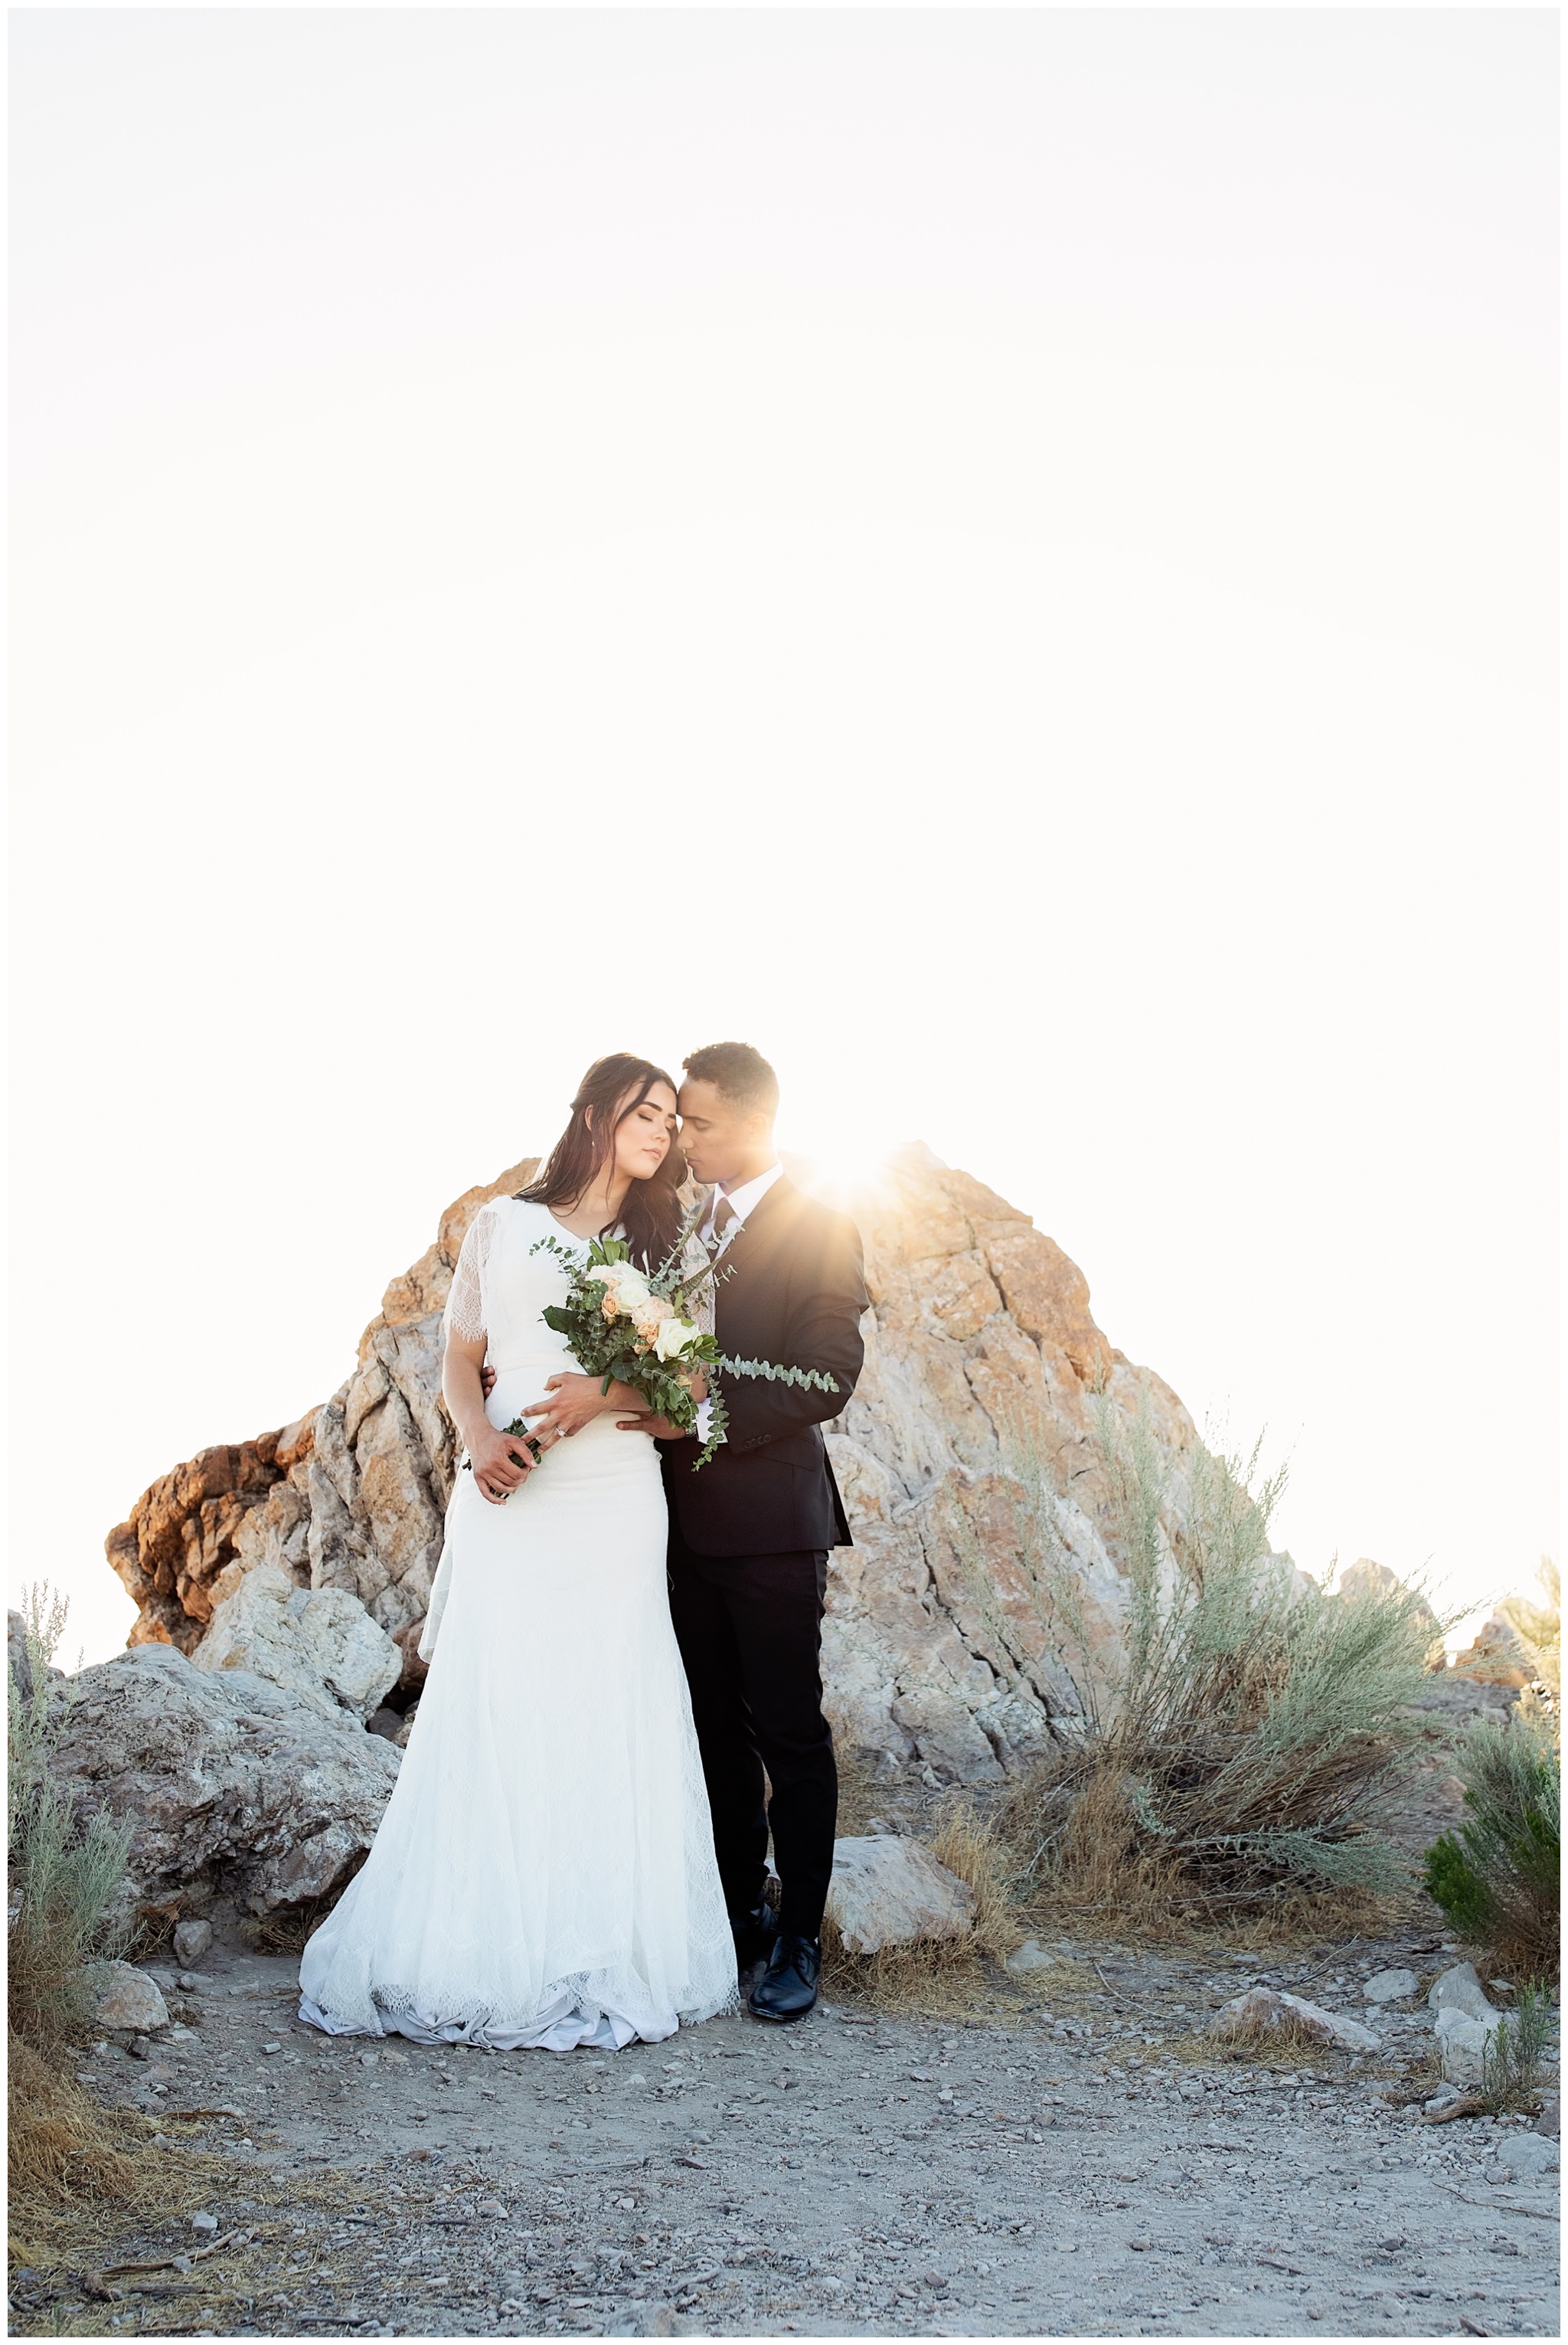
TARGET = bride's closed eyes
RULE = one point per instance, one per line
(651, 1131)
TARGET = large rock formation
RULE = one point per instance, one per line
(985, 1557)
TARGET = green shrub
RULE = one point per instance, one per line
(1240, 1747)
(63, 1873)
(1515, 2062)
(1497, 1880)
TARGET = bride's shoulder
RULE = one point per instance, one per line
(490, 1217)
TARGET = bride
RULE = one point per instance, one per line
(544, 1872)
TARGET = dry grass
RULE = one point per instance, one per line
(59, 2141)
(81, 2173)
(1109, 1878)
(76, 2169)
(73, 2241)
(288, 1933)
(1113, 1889)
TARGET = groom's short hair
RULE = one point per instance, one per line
(739, 1072)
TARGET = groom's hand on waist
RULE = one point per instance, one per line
(659, 1427)
(487, 1380)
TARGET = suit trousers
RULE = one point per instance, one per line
(750, 1633)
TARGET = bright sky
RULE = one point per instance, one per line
(1006, 558)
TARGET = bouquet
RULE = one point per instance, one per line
(630, 1326)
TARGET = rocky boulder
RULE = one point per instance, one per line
(966, 1456)
(1526, 2157)
(191, 1941)
(1498, 1656)
(1459, 1988)
(124, 1996)
(320, 1643)
(890, 1892)
(1369, 1579)
(1464, 2042)
(174, 1553)
(1390, 1986)
(232, 1784)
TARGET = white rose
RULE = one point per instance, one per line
(673, 1339)
(629, 1287)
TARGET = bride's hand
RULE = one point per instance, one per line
(574, 1401)
(500, 1462)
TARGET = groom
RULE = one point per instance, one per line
(750, 1534)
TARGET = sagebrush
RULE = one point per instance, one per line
(63, 1876)
(1518, 2056)
(1497, 1879)
(1236, 1749)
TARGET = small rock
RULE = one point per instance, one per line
(1443, 2099)
(204, 2222)
(1264, 2011)
(1462, 2044)
(1030, 1956)
(192, 1939)
(1459, 1989)
(887, 1891)
(1526, 2156)
(125, 1997)
(1550, 2121)
(1390, 1986)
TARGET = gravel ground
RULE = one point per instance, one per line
(1079, 2161)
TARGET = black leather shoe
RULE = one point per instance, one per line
(755, 1935)
(787, 1989)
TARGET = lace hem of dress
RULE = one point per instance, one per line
(572, 2011)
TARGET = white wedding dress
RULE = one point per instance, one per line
(544, 1872)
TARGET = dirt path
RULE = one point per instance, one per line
(852, 2175)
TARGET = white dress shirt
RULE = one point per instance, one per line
(743, 1201)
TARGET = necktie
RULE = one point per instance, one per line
(724, 1214)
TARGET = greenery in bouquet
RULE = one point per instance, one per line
(632, 1326)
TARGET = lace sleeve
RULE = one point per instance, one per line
(466, 1316)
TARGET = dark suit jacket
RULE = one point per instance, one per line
(792, 1289)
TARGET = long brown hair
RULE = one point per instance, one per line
(649, 1215)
